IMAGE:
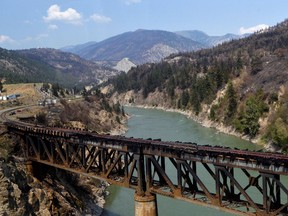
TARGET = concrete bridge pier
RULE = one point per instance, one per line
(145, 205)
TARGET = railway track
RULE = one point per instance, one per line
(4, 114)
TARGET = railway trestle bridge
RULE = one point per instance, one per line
(237, 181)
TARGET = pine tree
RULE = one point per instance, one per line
(232, 101)
(184, 99)
(171, 87)
(195, 101)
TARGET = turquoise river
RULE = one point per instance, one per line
(169, 126)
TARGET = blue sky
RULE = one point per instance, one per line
(50, 23)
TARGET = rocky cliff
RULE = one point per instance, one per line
(49, 191)
(59, 193)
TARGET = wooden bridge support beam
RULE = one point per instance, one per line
(145, 205)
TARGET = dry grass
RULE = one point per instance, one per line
(28, 92)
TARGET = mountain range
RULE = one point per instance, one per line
(142, 46)
(95, 62)
(209, 41)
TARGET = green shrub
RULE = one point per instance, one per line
(213, 111)
(41, 118)
(248, 118)
(278, 132)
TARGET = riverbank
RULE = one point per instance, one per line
(205, 122)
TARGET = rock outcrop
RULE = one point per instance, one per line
(51, 191)
(55, 192)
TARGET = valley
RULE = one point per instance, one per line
(134, 68)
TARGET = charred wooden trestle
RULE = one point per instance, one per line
(238, 181)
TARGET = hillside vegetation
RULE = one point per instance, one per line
(51, 66)
(15, 68)
(242, 84)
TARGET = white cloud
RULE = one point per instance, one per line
(70, 15)
(5, 38)
(38, 37)
(253, 29)
(100, 18)
(129, 2)
(52, 27)
(41, 36)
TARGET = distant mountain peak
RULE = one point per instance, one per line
(207, 40)
(142, 45)
(139, 30)
(139, 46)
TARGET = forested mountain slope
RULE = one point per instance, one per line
(242, 84)
(50, 65)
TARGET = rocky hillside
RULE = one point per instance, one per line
(124, 65)
(144, 46)
(58, 193)
(50, 65)
(140, 46)
(48, 191)
(94, 113)
(241, 85)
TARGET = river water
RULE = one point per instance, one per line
(169, 126)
